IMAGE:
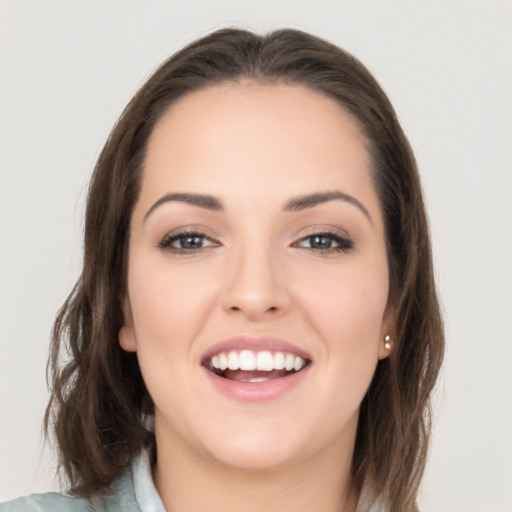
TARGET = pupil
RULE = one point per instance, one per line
(191, 242)
(321, 242)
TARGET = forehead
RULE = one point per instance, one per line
(274, 139)
(256, 109)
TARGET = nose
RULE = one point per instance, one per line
(255, 285)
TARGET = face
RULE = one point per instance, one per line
(257, 278)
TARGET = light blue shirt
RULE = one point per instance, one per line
(133, 491)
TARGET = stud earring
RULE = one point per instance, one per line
(387, 342)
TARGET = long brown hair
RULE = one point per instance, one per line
(99, 407)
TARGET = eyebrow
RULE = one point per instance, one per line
(293, 205)
(203, 201)
(312, 200)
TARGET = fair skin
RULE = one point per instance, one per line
(257, 228)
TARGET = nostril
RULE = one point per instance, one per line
(251, 311)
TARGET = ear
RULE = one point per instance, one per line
(388, 330)
(126, 335)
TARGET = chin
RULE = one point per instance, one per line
(268, 445)
(256, 455)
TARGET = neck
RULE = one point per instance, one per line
(188, 481)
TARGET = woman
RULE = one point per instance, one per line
(256, 324)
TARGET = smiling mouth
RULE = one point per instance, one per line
(255, 366)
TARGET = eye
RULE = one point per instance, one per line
(325, 242)
(187, 242)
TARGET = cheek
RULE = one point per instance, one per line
(344, 309)
(347, 308)
(169, 306)
(168, 303)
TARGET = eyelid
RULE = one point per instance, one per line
(182, 232)
(343, 239)
(321, 229)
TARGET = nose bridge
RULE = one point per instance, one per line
(254, 286)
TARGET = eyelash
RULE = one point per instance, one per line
(168, 240)
(343, 244)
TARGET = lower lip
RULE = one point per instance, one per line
(256, 391)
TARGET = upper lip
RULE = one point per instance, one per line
(256, 344)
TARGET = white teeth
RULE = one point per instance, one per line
(298, 363)
(248, 360)
(233, 361)
(278, 360)
(264, 361)
(223, 361)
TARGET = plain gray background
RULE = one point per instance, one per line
(67, 69)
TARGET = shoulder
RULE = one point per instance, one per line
(47, 502)
(119, 497)
(133, 491)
